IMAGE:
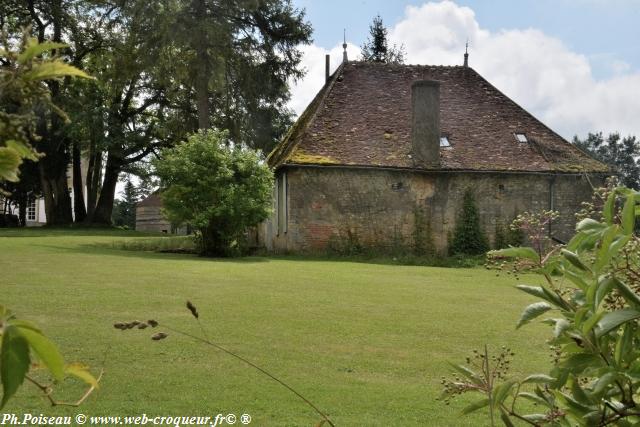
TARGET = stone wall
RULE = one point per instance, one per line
(389, 209)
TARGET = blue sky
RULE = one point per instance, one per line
(604, 30)
(574, 64)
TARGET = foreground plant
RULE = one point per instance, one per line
(158, 336)
(22, 89)
(21, 345)
(590, 289)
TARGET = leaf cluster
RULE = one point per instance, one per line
(593, 308)
(23, 71)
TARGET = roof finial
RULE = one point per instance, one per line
(344, 46)
(466, 54)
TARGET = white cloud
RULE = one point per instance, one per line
(536, 70)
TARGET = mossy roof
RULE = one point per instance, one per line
(362, 117)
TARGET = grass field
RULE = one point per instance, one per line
(367, 343)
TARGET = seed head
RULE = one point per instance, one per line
(159, 336)
(192, 309)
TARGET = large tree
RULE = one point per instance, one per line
(164, 68)
(78, 24)
(377, 49)
(622, 154)
(237, 57)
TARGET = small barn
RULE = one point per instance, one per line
(149, 216)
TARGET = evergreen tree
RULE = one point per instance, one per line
(124, 212)
(377, 49)
(622, 154)
(468, 238)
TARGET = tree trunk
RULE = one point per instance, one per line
(104, 208)
(202, 97)
(203, 71)
(22, 210)
(53, 167)
(79, 209)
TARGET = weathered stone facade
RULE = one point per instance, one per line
(382, 156)
(388, 209)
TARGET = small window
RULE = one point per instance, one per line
(444, 142)
(31, 211)
(521, 137)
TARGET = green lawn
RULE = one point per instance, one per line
(367, 343)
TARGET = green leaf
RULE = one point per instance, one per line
(81, 371)
(605, 285)
(624, 343)
(538, 379)
(505, 418)
(46, 350)
(23, 150)
(591, 322)
(577, 363)
(608, 208)
(602, 383)
(574, 260)
(614, 319)
(589, 226)
(501, 392)
(468, 373)
(53, 70)
(627, 293)
(475, 406)
(14, 362)
(10, 161)
(629, 215)
(34, 49)
(518, 252)
(532, 311)
(578, 393)
(560, 326)
(544, 293)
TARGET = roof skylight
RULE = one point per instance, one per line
(444, 142)
(521, 137)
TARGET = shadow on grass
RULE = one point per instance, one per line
(174, 248)
(105, 249)
(73, 231)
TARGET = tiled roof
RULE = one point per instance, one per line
(153, 200)
(362, 117)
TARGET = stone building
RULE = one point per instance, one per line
(384, 149)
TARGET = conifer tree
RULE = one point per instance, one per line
(468, 237)
(377, 49)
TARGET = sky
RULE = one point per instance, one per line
(574, 64)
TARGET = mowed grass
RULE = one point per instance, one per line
(367, 343)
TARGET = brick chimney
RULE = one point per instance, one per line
(425, 123)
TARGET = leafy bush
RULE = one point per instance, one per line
(468, 237)
(217, 187)
(590, 291)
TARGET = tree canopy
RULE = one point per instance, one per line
(622, 154)
(163, 70)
